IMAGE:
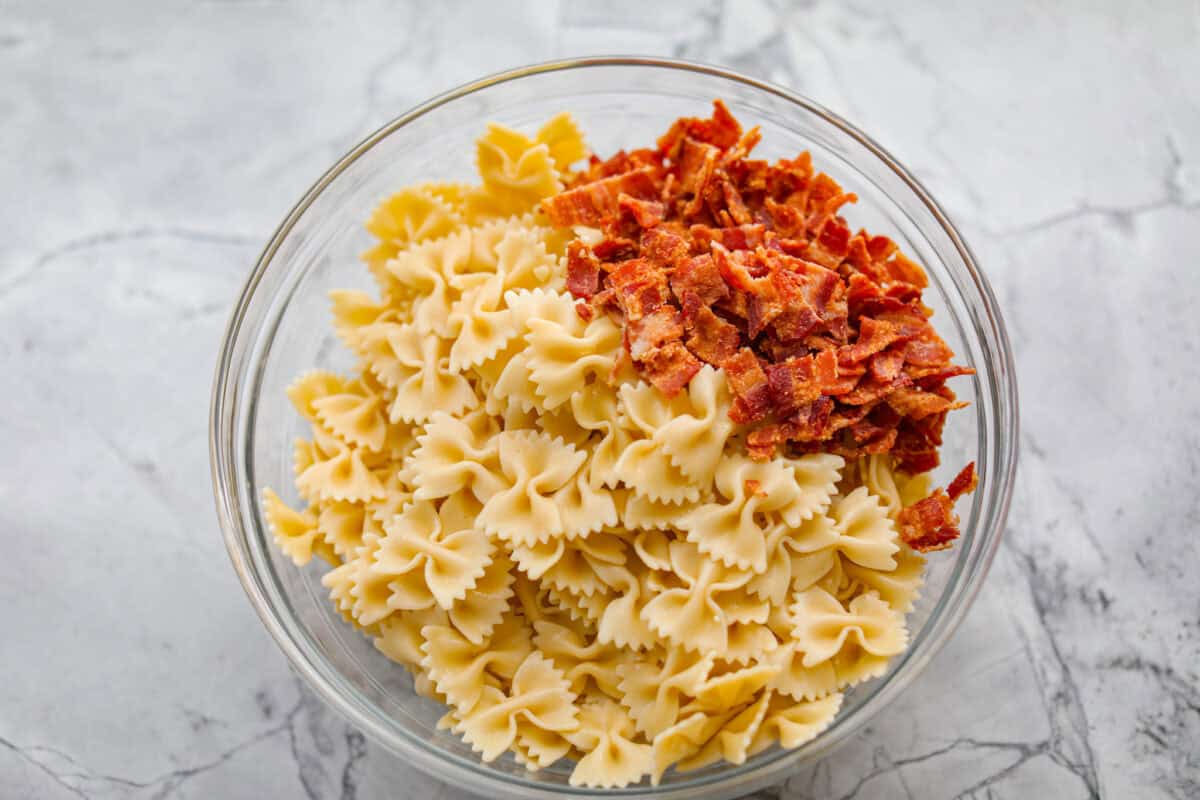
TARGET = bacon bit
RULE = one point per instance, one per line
(712, 257)
(742, 237)
(754, 488)
(918, 404)
(964, 482)
(887, 365)
(646, 213)
(670, 368)
(583, 271)
(593, 203)
(651, 331)
(874, 336)
(618, 249)
(709, 338)
(664, 246)
(585, 311)
(749, 385)
(699, 276)
(929, 524)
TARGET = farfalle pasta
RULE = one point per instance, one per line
(580, 558)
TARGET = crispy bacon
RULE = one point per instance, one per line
(709, 256)
(931, 524)
(709, 338)
(964, 482)
(670, 368)
(594, 203)
(699, 276)
(583, 271)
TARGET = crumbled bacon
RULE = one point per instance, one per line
(931, 524)
(583, 271)
(711, 257)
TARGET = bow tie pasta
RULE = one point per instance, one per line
(578, 563)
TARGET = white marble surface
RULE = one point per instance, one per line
(148, 149)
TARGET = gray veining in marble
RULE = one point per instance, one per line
(148, 149)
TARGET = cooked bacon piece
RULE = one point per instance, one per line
(919, 404)
(670, 368)
(585, 311)
(646, 213)
(710, 338)
(618, 249)
(651, 331)
(748, 383)
(812, 423)
(793, 384)
(722, 130)
(664, 245)
(887, 365)
(964, 482)
(929, 524)
(583, 271)
(871, 390)
(699, 276)
(874, 336)
(902, 268)
(741, 237)
(594, 203)
(640, 287)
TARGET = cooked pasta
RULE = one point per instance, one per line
(575, 564)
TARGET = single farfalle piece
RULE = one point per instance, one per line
(453, 455)
(621, 622)
(429, 556)
(691, 428)
(654, 687)
(416, 367)
(461, 668)
(693, 615)
(754, 496)
(536, 468)
(607, 737)
(355, 310)
(570, 564)
(866, 535)
(356, 416)
(517, 173)
(564, 353)
(583, 659)
(822, 627)
(328, 469)
(409, 216)
(312, 386)
(791, 724)
(733, 740)
(538, 702)
(426, 273)
(482, 325)
(341, 526)
(898, 588)
(564, 139)
(478, 614)
(400, 637)
(296, 532)
(685, 738)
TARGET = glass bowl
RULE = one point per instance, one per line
(281, 327)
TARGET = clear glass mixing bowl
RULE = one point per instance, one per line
(281, 327)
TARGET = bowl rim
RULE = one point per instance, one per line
(222, 451)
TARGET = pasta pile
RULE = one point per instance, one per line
(575, 565)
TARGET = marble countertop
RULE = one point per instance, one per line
(147, 151)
